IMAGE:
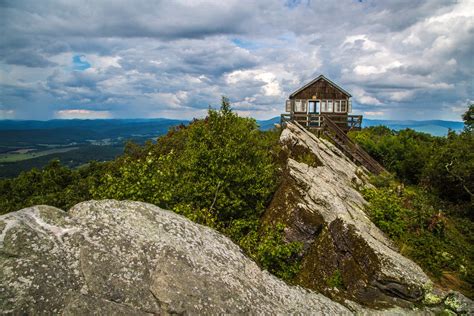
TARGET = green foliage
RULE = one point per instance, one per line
(222, 164)
(268, 248)
(221, 172)
(54, 185)
(443, 165)
(335, 280)
(148, 179)
(420, 224)
(468, 118)
(386, 211)
(404, 152)
(450, 169)
(431, 219)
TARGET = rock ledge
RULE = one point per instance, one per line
(110, 257)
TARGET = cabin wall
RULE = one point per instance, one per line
(320, 100)
(322, 90)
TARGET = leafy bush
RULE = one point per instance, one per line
(405, 152)
(54, 185)
(443, 165)
(222, 164)
(431, 219)
(335, 280)
(450, 169)
(272, 253)
(422, 231)
(221, 171)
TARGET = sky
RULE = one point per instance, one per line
(64, 59)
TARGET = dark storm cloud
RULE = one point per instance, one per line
(27, 58)
(175, 58)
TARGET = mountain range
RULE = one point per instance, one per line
(433, 127)
(32, 144)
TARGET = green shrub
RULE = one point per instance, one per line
(221, 172)
(335, 280)
(54, 185)
(423, 232)
(268, 248)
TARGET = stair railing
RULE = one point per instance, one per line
(349, 147)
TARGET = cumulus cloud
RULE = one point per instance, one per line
(403, 59)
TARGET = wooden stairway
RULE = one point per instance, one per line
(343, 142)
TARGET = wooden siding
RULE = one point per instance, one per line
(323, 90)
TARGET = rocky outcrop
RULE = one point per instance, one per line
(131, 258)
(345, 253)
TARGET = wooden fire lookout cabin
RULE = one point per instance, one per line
(323, 107)
(318, 100)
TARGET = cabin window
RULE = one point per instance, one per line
(324, 106)
(317, 106)
(337, 106)
(297, 105)
(330, 108)
(288, 106)
(349, 106)
(343, 106)
(300, 106)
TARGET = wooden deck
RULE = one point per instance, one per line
(316, 121)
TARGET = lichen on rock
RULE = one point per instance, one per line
(111, 257)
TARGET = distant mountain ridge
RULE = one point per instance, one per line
(121, 127)
(433, 127)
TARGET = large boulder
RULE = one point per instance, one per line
(110, 257)
(345, 253)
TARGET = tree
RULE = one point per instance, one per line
(225, 106)
(468, 118)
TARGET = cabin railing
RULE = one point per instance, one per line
(315, 121)
(332, 130)
(338, 135)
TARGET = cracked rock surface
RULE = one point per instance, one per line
(320, 205)
(122, 258)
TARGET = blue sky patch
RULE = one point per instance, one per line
(79, 63)
(246, 44)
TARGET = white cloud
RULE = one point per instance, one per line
(266, 79)
(404, 58)
(401, 95)
(374, 113)
(104, 62)
(364, 98)
(7, 114)
(82, 114)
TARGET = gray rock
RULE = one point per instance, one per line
(458, 303)
(123, 258)
(320, 205)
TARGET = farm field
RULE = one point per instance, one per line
(25, 154)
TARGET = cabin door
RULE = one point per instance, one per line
(313, 106)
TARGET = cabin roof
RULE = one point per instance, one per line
(317, 79)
